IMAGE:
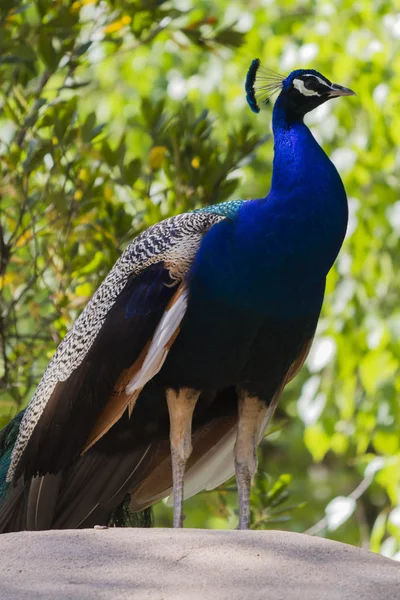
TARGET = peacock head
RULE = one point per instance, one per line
(300, 92)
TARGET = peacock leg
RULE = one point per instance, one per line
(181, 405)
(252, 416)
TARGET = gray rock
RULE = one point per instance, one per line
(163, 564)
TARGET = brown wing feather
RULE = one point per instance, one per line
(117, 403)
(120, 399)
(299, 362)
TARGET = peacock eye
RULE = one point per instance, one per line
(309, 84)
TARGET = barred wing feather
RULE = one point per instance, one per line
(103, 342)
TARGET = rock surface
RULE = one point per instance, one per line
(162, 564)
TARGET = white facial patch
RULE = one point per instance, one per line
(299, 85)
(321, 81)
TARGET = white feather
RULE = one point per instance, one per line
(213, 469)
(299, 85)
(157, 353)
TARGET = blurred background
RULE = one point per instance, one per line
(116, 114)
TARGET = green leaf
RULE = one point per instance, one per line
(108, 153)
(65, 117)
(47, 51)
(317, 441)
(378, 532)
(132, 171)
(375, 368)
(121, 150)
(386, 442)
(91, 266)
(25, 52)
(230, 37)
(82, 48)
(88, 126)
(85, 289)
(36, 153)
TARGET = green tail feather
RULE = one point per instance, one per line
(8, 436)
(122, 516)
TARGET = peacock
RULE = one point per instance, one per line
(168, 379)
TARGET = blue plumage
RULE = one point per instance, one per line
(257, 283)
(210, 310)
(277, 250)
(264, 267)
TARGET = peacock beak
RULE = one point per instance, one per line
(339, 90)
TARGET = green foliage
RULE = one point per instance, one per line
(118, 114)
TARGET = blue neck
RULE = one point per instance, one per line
(299, 161)
(275, 255)
(306, 190)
